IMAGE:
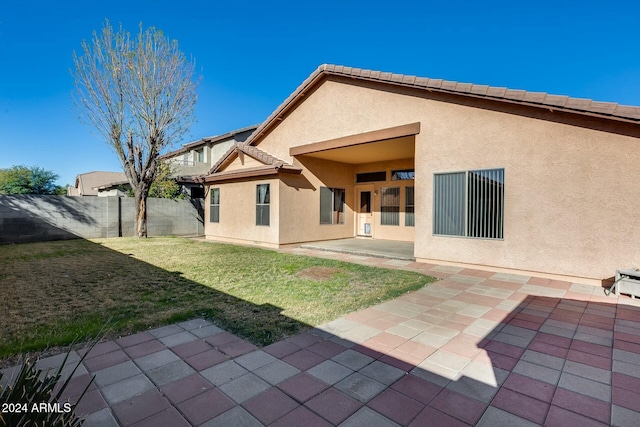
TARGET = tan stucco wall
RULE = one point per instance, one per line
(238, 213)
(567, 193)
(217, 150)
(300, 197)
(571, 190)
(244, 163)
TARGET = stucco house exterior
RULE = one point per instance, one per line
(197, 157)
(99, 183)
(477, 176)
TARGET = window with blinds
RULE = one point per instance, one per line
(262, 204)
(469, 204)
(390, 206)
(332, 202)
(409, 212)
(214, 208)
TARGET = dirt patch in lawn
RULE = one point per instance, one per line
(318, 273)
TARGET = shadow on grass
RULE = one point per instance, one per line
(84, 285)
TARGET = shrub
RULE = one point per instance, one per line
(32, 400)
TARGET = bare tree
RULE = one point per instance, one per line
(139, 94)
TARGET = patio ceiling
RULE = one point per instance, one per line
(392, 143)
(368, 152)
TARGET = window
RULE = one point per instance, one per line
(214, 211)
(409, 218)
(200, 155)
(469, 204)
(371, 177)
(401, 175)
(332, 205)
(390, 206)
(365, 202)
(262, 204)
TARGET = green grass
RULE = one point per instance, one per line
(55, 292)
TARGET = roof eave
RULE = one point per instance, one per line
(265, 171)
(629, 114)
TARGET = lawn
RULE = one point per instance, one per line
(56, 291)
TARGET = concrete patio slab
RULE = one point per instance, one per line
(365, 247)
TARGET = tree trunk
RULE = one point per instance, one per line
(141, 212)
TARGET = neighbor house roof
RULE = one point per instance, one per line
(110, 185)
(87, 184)
(209, 140)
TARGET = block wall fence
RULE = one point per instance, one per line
(38, 218)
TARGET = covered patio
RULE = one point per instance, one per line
(392, 249)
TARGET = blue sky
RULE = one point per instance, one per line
(253, 54)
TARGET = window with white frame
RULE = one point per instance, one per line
(214, 207)
(262, 204)
(390, 206)
(469, 204)
(332, 202)
(409, 213)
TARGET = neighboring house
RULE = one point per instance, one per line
(194, 158)
(99, 183)
(474, 175)
(197, 157)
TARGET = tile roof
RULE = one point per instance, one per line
(607, 110)
(262, 156)
(257, 154)
(536, 99)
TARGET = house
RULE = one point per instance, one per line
(479, 176)
(99, 183)
(197, 157)
(194, 158)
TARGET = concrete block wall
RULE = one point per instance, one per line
(33, 218)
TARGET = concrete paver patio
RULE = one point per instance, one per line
(476, 348)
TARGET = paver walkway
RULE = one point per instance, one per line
(476, 348)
